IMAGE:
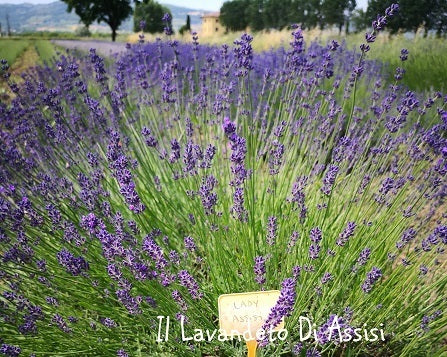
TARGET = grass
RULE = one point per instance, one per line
(12, 49)
(45, 49)
(426, 67)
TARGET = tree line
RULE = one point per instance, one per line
(237, 15)
(147, 14)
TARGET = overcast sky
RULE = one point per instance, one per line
(210, 5)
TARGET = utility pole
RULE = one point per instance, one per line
(8, 25)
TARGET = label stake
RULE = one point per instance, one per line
(251, 347)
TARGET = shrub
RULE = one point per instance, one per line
(182, 172)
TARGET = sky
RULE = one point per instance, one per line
(209, 5)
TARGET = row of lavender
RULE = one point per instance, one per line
(151, 183)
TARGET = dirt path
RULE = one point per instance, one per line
(27, 59)
(103, 48)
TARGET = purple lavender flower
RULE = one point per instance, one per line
(209, 198)
(272, 229)
(326, 278)
(316, 235)
(243, 55)
(313, 352)
(166, 17)
(379, 23)
(10, 350)
(392, 10)
(149, 139)
(119, 163)
(292, 242)
(441, 232)
(73, 265)
(188, 282)
(276, 155)
(370, 37)
(314, 251)
(121, 353)
(364, 256)
(190, 244)
(346, 234)
(296, 350)
(89, 222)
(371, 278)
(61, 323)
(329, 179)
(332, 329)
(175, 151)
(407, 236)
(177, 297)
(229, 127)
(174, 257)
(282, 308)
(399, 73)
(154, 251)
(259, 270)
(298, 196)
(108, 322)
(131, 303)
(239, 151)
(238, 210)
(404, 54)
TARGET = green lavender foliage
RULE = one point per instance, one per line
(308, 114)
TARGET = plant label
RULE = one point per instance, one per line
(243, 314)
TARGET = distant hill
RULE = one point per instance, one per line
(54, 17)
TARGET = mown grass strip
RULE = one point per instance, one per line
(11, 49)
(45, 50)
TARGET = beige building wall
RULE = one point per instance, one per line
(211, 25)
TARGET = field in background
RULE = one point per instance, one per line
(22, 54)
(14, 49)
(426, 66)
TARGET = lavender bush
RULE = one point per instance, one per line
(181, 172)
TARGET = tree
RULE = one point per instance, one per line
(188, 23)
(335, 12)
(437, 19)
(350, 10)
(149, 13)
(83, 31)
(277, 13)
(313, 14)
(255, 14)
(233, 15)
(297, 12)
(112, 12)
(187, 26)
(359, 20)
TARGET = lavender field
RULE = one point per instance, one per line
(148, 183)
